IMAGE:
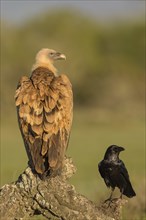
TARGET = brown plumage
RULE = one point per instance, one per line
(44, 104)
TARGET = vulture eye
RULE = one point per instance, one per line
(51, 54)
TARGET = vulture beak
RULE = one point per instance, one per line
(60, 56)
(121, 149)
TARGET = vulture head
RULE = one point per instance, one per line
(46, 57)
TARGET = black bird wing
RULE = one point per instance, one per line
(126, 186)
(123, 170)
(103, 170)
(115, 174)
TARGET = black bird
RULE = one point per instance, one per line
(114, 172)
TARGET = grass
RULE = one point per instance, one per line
(91, 135)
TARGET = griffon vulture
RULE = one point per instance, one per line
(44, 105)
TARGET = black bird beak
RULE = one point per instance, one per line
(121, 149)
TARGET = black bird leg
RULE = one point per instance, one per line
(110, 198)
(121, 193)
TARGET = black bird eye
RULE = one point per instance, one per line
(51, 54)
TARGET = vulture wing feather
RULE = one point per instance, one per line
(44, 106)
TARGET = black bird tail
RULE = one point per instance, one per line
(129, 191)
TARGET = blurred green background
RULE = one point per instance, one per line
(106, 65)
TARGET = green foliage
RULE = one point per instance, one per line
(97, 56)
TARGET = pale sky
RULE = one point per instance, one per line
(18, 11)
